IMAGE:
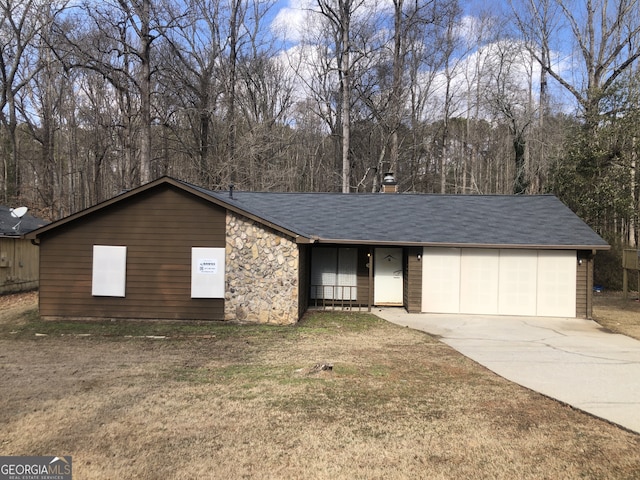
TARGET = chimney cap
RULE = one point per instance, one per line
(389, 184)
(389, 179)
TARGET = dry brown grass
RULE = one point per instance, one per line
(13, 306)
(245, 402)
(617, 314)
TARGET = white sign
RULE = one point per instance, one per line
(207, 272)
(208, 266)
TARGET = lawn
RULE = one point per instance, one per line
(339, 396)
(618, 315)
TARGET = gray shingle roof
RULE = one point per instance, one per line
(7, 222)
(429, 219)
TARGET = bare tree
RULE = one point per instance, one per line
(538, 22)
(236, 17)
(117, 43)
(340, 14)
(452, 60)
(396, 63)
(510, 75)
(423, 64)
(40, 105)
(606, 37)
(192, 84)
(21, 25)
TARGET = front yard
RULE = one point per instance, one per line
(339, 396)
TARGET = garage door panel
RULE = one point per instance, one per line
(441, 280)
(556, 284)
(479, 281)
(518, 282)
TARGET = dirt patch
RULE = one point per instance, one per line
(251, 402)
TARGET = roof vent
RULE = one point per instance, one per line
(389, 183)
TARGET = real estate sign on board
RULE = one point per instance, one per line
(207, 272)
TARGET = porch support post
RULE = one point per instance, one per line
(370, 300)
(590, 265)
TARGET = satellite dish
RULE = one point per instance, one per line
(18, 213)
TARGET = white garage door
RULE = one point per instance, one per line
(499, 282)
(479, 281)
(441, 280)
(556, 284)
(519, 274)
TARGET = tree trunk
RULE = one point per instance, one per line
(231, 100)
(346, 95)
(519, 147)
(346, 129)
(145, 93)
(396, 90)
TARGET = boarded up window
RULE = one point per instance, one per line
(109, 271)
(207, 272)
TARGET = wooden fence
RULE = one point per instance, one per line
(19, 270)
(630, 261)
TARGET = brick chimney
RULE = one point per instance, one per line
(389, 184)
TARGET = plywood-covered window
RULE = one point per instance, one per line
(109, 273)
(334, 273)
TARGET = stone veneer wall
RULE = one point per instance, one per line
(261, 273)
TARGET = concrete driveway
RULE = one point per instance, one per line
(572, 360)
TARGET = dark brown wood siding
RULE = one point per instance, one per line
(412, 273)
(159, 227)
(363, 276)
(584, 285)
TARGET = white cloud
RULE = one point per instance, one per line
(471, 73)
(290, 21)
(299, 19)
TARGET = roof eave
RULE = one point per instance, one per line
(460, 245)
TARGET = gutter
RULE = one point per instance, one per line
(532, 246)
(301, 240)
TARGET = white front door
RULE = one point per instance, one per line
(388, 276)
